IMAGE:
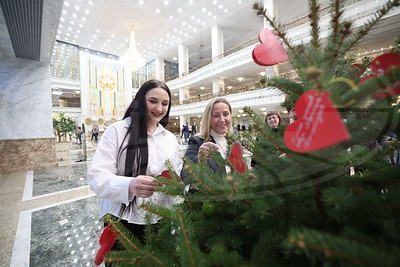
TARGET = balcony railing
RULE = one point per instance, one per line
(233, 90)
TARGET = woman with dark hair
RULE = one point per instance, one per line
(130, 154)
(273, 119)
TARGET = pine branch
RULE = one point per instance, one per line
(286, 85)
(335, 19)
(262, 247)
(314, 22)
(364, 31)
(157, 210)
(340, 247)
(344, 32)
(190, 167)
(186, 237)
(129, 241)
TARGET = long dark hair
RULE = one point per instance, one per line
(137, 147)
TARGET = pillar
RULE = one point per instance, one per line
(181, 96)
(183, 59)
(217, 42)
(159, 68)
(270, 5)
(219, 86)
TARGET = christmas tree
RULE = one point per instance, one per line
(317, 196)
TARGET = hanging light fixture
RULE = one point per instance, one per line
(132, 59)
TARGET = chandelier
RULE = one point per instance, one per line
(132, 59)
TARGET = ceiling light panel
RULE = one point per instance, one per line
(84, 18)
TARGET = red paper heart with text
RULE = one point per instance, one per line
(382, 63)
(380, 66)
(167, 174)
(107, 240)
(236, 158)
(270, 51)
(318, 124)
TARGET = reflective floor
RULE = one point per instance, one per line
(62, 227)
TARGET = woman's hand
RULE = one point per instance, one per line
(204, 149)
(141, 186)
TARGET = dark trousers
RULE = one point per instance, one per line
(95, 136)
(136, 229)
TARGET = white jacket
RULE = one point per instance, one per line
(105, 174)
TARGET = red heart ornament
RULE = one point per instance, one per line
(107, 240)
(270, 51)
(382, 63)
(379, 66)
(318, 124)
(236, 158)
(167, 174)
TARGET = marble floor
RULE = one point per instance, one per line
(52, 215)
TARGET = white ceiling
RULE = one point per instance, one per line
(161, 25)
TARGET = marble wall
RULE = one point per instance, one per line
(26, 135)
(19, 155)
(25, 99)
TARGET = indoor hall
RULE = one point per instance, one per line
(71, 57)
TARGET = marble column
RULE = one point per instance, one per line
(159, 68)
(270, 5)
(181, 95)
(186, 93)
(217, 42)
(183, 59)
(219, 86)
(182, 121)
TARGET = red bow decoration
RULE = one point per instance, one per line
(236, 158)
(107, 240)
(167, 174)
(379, 66)
(270, 51)
(319, 124)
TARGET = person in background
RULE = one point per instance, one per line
(78, 133)
(185, 131)
(216, 122)
(273, 119)
(238, 128)
(194, 128)
(190, 129)
(95, 132)
(130, 154)
(292, 114)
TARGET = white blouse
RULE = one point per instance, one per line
(220, 140)
(105, 174)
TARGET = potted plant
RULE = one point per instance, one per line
(63, 124)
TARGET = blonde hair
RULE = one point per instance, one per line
(205, 129)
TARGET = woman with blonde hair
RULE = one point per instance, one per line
(215, 123)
